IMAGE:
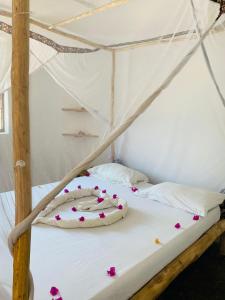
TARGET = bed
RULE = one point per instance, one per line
(76, 260)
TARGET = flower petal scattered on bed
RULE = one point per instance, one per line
(82, 219)
(79, 187)
(196, 217)
(100, 200)
(74, 209)
(177, 226)
(54, 291)
(115, 196)
(102, 215)
(104, 191)
(111, 272)
(66, 191)
(157, 241)
(134, 189)
(96, 188)
(57, 217)
(120, 206)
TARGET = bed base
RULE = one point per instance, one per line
(162, 280)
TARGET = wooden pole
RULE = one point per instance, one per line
(21, 142)
(113, 100)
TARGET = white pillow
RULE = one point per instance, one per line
(117, 173)
(194, 200)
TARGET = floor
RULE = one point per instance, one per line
(203, 280)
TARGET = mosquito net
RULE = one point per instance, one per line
(93, 74)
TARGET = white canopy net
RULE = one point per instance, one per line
(140, 51)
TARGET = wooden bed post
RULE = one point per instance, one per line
(113, 100)
(21, 142)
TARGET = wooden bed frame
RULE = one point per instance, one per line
(161, 281)
(21, 150)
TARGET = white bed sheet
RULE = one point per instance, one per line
(76, 260)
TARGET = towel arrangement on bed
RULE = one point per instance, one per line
(100, 209)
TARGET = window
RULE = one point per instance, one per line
(2, 113)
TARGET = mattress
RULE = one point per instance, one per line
(76, 260)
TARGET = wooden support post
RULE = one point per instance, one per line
(21, 142)
(113, 99)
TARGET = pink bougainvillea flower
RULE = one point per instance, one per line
(54, 291)
(60, 298)
(120, 206)
(74, 209)
(134, 189)
(196, 217)
(115, 196)
(177, 226)
(111, 271)
(87, 174)
(79, 187)
(104, 191)
(102, 215)
(66, 191)
(82, 219)
(58, 218)
(96, 188)
(99, 200)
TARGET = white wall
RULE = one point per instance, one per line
(52, 154)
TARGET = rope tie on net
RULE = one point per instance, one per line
(25, 225)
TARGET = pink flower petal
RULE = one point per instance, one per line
(54, 291)
(134, 189)
(99, 200)
(82, 219)
(102, 215)
(120, 206)
(60, 298)
(115, 196)
(196, 217)
(58, 218)
(79, 187)
(177, 226)
(87, 174)
(111, 272)
(74, 209)
(66, 191)
(96, 188)
(104, 191)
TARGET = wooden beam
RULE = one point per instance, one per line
(21, 143)
(59, 32)
(91, 12)
(161, 281)
(74, 109)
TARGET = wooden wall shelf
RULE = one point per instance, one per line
(74, 109)
(80, 134)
